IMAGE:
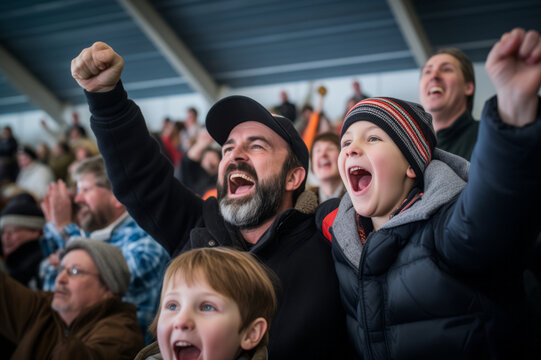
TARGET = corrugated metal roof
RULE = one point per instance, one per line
(240, 42)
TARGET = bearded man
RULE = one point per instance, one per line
(101, 217)
(259, 208)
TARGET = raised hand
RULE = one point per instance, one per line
(203, 140)
(97, 68)
(514, 67)
(57, 204)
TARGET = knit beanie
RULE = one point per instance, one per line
(109, 260)
(405, 122)
(23, 211)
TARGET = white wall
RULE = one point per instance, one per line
(402, 84)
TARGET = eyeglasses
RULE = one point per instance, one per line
(87, 189)
(74, 271)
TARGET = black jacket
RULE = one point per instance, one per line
(310, 321)
(23, 264)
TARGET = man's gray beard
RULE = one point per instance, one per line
(59, 308)
(248, 213)
(93, 221)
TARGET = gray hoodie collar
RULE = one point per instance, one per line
(444, 179)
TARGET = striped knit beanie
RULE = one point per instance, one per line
(405, 122)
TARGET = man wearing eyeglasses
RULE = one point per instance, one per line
(101, 217)
(84, 318)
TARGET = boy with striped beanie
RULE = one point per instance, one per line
(429, 253)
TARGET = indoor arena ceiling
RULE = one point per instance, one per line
(176, 47)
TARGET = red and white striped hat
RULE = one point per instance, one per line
(405, 122)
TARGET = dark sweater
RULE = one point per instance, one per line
(460, 137)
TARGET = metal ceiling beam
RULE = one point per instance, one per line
(172, 47)
(411, 28)
(24, 81)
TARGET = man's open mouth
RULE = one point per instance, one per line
(324, 163)
(359, 178)
(185, 351)
(240, 183)
(435, 90)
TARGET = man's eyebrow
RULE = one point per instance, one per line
(250, 139)
(448, 63)
(442, 64)
(259, 138)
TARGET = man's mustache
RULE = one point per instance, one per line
(240, 166)
(63, 289)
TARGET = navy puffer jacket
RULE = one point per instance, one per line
(443, 279)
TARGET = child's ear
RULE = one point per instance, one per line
(410, 173)
(253, 334)
(295, 178)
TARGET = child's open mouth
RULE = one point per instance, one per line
(240, 184)
(186, 351)
(359, 178)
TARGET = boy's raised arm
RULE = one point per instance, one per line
(514, 67)
(97, 68)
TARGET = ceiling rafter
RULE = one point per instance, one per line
(24, 81)
(412, 30)
(172, 47)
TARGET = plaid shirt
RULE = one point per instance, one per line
(146, 259)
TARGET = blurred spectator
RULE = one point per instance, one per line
(83, 319)
(199, 168)
(21, 223)
(286, 109)
(102, 218)
(446, 90)
(324, 165)
(60, 160)
(82, 149)
(189, 136)
(358, 94)
(302, 121)
(33, 176)
(43, 153)
(170, 139)
(75, 130)
(350, 103)
(8, 162)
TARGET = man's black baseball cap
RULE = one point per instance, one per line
(233, 110)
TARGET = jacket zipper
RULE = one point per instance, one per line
(361, 290)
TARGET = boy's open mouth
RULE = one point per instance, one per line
(240, 183)
(359, 178)
(186, 351)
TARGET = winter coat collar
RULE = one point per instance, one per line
(444, 179)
